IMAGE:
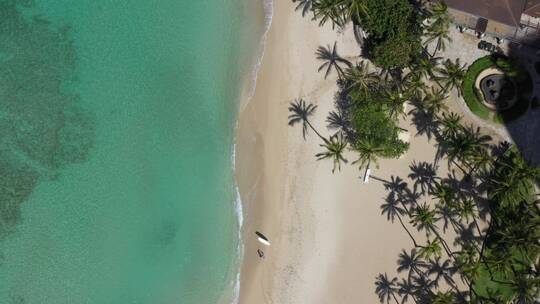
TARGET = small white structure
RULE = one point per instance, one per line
(366, 175)
(263, 241)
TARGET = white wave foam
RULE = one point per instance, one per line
(240, 248)
(268, 6)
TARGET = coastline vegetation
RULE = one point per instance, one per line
(480, 223)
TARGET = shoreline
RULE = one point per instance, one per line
(247, 90)
(268, 186)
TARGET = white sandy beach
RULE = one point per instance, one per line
(329, 239)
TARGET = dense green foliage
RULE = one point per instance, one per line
(393, 26)
(370, 120)
(394, 32)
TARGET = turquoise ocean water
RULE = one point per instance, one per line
(117, 130)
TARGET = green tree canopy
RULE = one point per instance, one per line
(372, 122)
(394, 32)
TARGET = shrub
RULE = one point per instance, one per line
(370, 120)
(394, 33)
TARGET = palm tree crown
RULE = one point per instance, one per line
(368, 152)
(451, 124)
(394, 101)
(434, 101)
(424, 218)
(452, 75)
(328, 10)
(335, 147)
(359, 77)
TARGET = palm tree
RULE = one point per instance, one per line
(443, 298)
(328, 10)
(394, 100)
(360, 78)
(468, 264)
(527, 288)
(331, 60)
(386, 288)
(355, 10)
(449, 215)
(466, 211)
(434, 101)
(424, 65)
(368, 152)
(431, 249)
(464, 145)
(511, 179)
(438, 31)
(452, 75)
(480, 160)
(423, 218)
(300, 112)
(304, 5)
(450, 124)
(335, 147)
(414, 85)
(393, 210)
(444, 193)
(438, 10)
(412, 263)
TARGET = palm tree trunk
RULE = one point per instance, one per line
(460, 168)
(481, 255)
(314, 130)
(408, 232)
(443, 242)
(453, 284)
(477, 227)
(406, 209)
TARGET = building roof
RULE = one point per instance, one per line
(503, 11)
(532, 8)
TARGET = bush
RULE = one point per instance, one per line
(394, 33)
(370, 120)
(394, 52)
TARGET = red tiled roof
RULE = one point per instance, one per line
(503, 11)
(532, 8)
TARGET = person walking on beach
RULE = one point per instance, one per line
(260, 253)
